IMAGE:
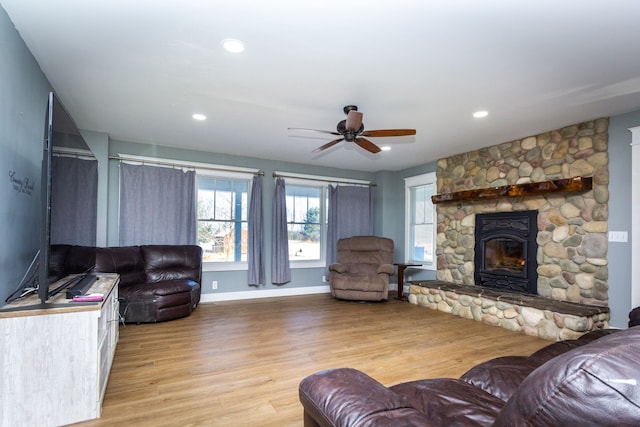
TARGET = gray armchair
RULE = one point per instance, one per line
(362, 270)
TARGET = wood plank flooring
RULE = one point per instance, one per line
(239, 363)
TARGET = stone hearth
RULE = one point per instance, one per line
(530, 314)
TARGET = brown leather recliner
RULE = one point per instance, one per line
(591, 381)
(362, 270)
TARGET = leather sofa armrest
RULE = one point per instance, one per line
(338, 268)
(345, 396)
(386, 268)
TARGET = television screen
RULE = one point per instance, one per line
(68, 190)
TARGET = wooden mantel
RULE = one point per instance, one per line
(565, 185)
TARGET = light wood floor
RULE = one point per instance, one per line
(239, 363)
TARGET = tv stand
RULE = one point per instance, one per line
(56, 357)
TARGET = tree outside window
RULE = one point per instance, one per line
(304, 222)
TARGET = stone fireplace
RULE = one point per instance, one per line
(571, 293)
(505, 251)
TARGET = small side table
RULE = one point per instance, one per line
(401, 268)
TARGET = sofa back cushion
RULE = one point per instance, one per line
(80, 259)
(127, 261)
(594, 384)
(57, 261)
(363, 254)
(166, 262)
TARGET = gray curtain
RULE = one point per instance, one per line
(74, 201)
(350, 214)
(256, 231)
(280, 269)
(157, 206)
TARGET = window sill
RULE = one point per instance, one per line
(224, 266)
(423, 265)
(306, 264)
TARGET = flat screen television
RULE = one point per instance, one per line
(60, 132)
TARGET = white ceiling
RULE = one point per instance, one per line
(138, 70)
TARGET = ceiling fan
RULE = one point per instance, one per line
(352, 130)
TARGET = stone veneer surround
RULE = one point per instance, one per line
(572, 239)
(572, 236)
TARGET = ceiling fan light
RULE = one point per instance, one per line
(385, 148)
(233, 45)
(199, 117)
(480, 114)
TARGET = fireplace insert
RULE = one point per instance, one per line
(505, 251)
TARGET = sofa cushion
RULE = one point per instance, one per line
(365, 250)
(501, 376)
(348, 397)
(561, 347)
(80, 259)
(594, 384)
(159, 289)
(167, 262)
(57, 261)
(634, 317)
(450, 402)
(124, 260)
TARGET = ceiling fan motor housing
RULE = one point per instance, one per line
(349, 134)
(348, 108)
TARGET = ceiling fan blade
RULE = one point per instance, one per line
(316, 130)
(388, 132)
(328, 145)
(354, 120)
(367, 145)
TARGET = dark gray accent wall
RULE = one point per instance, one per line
(619, 254)
(23, 102)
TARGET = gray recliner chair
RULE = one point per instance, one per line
(362, 270)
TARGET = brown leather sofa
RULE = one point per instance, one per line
(591, 381)
(634, 317)
(362, 268)
(157, 282)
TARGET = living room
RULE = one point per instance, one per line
(24, 87)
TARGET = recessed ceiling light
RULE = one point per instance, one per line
(233, 45)
(480, 114)
(385, 148)
(199, 117)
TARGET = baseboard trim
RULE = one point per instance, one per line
(270, 293)
(264, 293)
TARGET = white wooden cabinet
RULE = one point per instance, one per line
(55, 361)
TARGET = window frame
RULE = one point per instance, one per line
(322, 186)
(232, 176)
(410, 184)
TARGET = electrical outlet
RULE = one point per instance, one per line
(324, 278)
(214, 284)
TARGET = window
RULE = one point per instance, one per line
(222, 218)
(420, 224)
(306, 219)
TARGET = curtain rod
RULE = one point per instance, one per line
(184, 165)
(59, 151)
(324, 179)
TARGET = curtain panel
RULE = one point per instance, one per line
(350, 213)
(280, 268)
(74, 201)
(157, 206)
(255, 259)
